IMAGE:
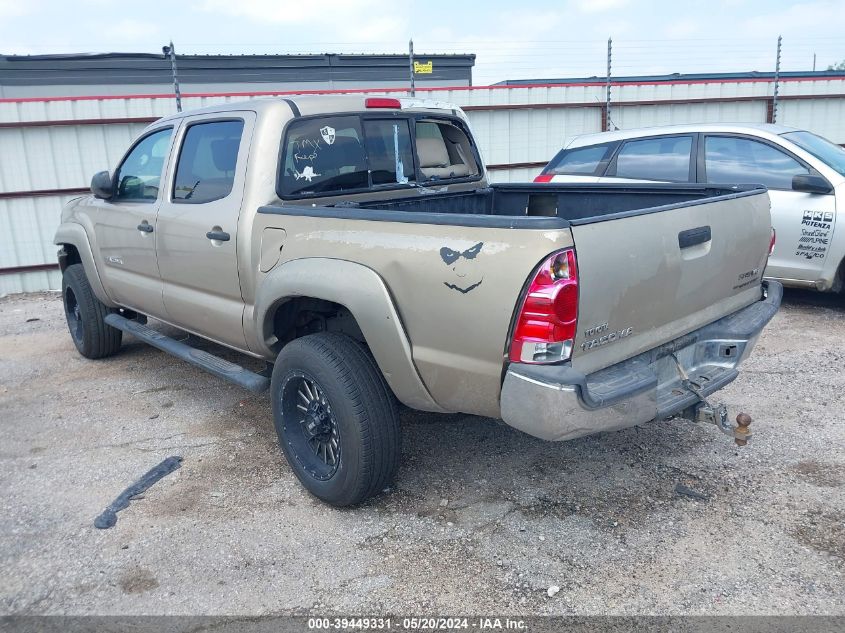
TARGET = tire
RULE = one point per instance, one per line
(336, 418)
(85, 316)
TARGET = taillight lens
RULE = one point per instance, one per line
(546, 322)
(772, 241)
(544, 178)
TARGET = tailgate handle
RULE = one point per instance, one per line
(691, 237)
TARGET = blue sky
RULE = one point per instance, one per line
(512, 39)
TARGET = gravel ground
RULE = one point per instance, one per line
(482, 518)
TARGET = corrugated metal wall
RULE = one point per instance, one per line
(50, 148)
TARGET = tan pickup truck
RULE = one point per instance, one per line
(355, 244)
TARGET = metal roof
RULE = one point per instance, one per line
(146, 68)
(695, 77)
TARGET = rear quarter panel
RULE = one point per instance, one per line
(455, 289)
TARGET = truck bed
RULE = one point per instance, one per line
(572, 202)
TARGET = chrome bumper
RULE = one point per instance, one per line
(556, 402)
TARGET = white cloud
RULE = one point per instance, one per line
(682, 29)
(14, 8)
(598, 6)
(132, 30)
(329, 15)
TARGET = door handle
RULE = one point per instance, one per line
(145, 227)
(694, 236)
(218, 236)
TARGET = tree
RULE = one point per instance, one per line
(839, 66)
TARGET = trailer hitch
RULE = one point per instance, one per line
(718, 414)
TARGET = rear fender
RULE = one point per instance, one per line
(361, 291)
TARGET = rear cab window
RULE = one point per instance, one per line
(327, 155)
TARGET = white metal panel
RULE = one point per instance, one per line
(629, 117)
(27, 226)
(521, 136)
(521, 174)
(60, 157)
(30, 282)
(825, 117)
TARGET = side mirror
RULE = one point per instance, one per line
(811, 183)
(102, 186)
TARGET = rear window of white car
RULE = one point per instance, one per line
(663, 158)
(579, 160)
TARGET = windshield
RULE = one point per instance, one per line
(831, 155)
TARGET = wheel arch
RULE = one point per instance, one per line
(358, 290)
(77, 249)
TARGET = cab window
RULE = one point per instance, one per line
(391, 158)
(731, 159)
(444, 151)
(139, 176)
(666, 158)
(207, 161)
(324, 155)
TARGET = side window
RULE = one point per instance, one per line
(729, 159)
(324, 155)
(206, 168)
(579, 160)
(139, 176)
(389, 151)
(665, 158)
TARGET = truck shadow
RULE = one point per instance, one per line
(458, 468)
(811, 298)
(481, 467)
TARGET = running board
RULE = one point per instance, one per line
(197, 357)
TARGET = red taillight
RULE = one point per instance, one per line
(382, 102)
(544, 178)
(772, 241)
(546, 321)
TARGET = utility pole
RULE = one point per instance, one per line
(608, 125)
(777, 82)
(411, 65)
(814, 62)
(170, 51)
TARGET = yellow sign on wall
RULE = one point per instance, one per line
(423, 68)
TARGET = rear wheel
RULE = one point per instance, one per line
(86, 315)
(336, 418)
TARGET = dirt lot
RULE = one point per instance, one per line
(482, 518)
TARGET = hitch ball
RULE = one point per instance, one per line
(741, 433)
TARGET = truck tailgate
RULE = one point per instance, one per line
(648, 277)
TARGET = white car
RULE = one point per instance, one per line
(805, 175)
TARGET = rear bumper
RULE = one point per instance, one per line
(555, 402)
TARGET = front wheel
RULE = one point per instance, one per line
(336, 418)
(86, 315)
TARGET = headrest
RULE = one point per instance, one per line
(432, 152)
(224, 153)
